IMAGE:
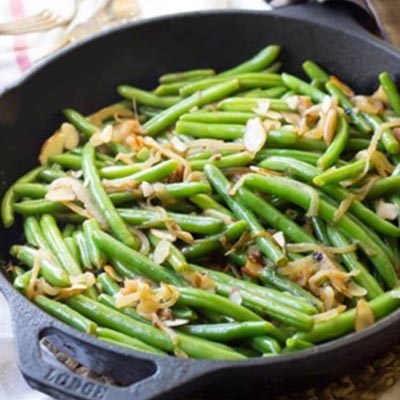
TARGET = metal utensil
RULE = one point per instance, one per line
(42, 21)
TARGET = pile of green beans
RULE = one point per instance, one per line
(267, 250)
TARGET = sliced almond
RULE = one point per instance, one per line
(364, 316)
(52, 146)
(254, 136)
(71, 136)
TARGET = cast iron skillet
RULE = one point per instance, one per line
(85, 77)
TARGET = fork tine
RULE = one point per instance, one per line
(30, 29)
(47, 23)
(19, 23)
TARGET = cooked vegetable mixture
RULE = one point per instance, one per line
(220, 216)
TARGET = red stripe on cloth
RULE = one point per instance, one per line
(20, 42)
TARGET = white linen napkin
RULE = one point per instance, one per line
(17, 55)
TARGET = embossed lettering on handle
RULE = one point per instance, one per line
(74, 384)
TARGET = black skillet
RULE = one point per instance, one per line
(85, 77)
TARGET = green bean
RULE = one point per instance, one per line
(307, 173)
(73, 249)
(302, 87)
(229, 331)
(108, 285)
(390, 88)
(166, 118)
(97, 258)
(320, 230)
(51, 174)
(66, 314)
(185, 189)
(199, 298)
(336, 175)
(272, 93)
(129, 311)
(261, 60)
(133, 260)
(169, 190)
(384, 186)
(275, 67)
(146, 98)
(186, 75)
(33, 233)
(80, 122)
(317, 83)
(335, 149)
(57, 245)
(358, 119)
(169, 89)
(306, 156)
(280, 282)
(210, 131)
(113, 319)
(83, 250)
(222, 186)
(31, 190)
(217, 117)
(102, 201)
(49, 268)
(276, 310)
(292, 191)
(212, 243)
(117, 338)
(184, 313)
(265, 345)
(152, 174)
(240, 159)
(9, 198)
(244, 104)
(191, 223)
(345, 323)
(21, 282)
(314, 71)
(293, 344)
(205, 202)
(262, 299)
(389, 142)
(68, 230)
(273, 217)
(119, 171)
(149, 112)
(350, 260)
(33, 207)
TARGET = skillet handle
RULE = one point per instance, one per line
(335, 14)
(147, 377)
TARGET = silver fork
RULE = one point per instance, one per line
(42, 21)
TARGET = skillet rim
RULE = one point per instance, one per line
(13, 296)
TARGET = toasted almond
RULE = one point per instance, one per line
(342, 86)
(364, 316)
(292, 102)
(262, 107)
(254, 136)
(388, 211)
(330, 124)
(235, 296)
(52, 146)
(71, 136)
(279, 238)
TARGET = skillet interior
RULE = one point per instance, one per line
(86, 76)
